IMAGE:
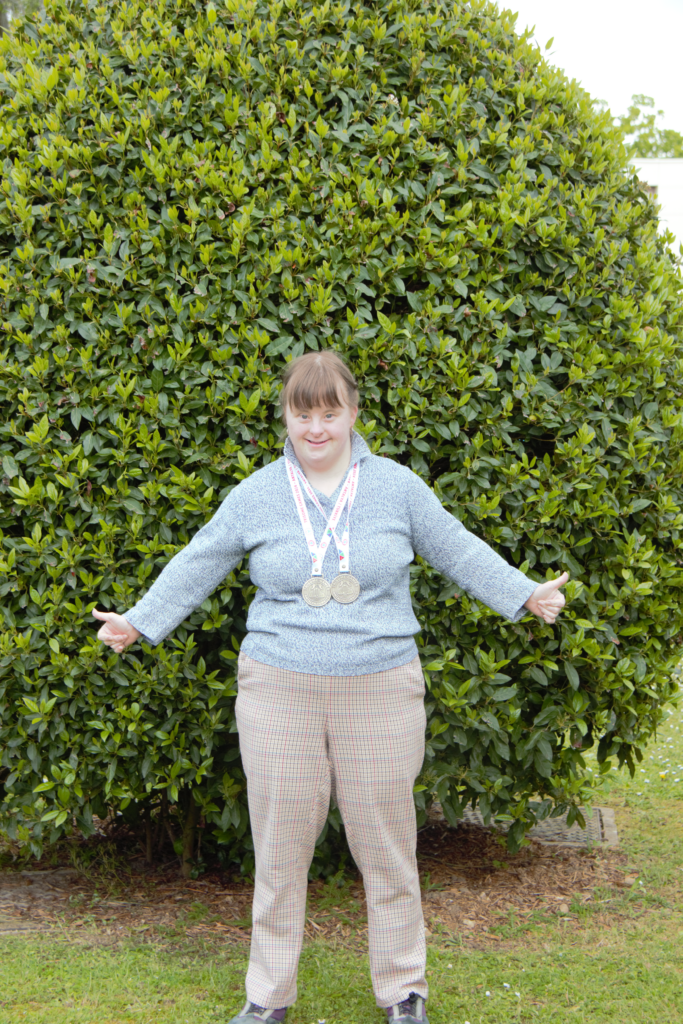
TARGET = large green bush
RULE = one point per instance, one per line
(191, 196)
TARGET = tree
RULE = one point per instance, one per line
(643, 136)
(194, 194)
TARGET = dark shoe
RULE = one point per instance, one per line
(252, 1013)
(411, 1011)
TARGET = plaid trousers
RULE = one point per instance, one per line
(303, 737)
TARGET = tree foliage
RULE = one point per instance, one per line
(194, 194)
(644, 137)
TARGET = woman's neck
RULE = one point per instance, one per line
(327, 478)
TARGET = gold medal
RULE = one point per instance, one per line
(345, 588)
(316, 592)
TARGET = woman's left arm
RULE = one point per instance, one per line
(443, 541)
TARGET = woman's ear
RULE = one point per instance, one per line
(354, 415)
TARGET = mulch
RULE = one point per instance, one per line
(477, 882)
(471, 884)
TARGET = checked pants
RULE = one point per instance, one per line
(302, 738)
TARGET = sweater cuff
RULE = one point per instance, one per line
(515, 604)
(153, 640)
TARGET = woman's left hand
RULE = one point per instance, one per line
(546, 601)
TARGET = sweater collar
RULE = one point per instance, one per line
(359, 450)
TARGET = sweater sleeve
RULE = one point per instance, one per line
(192, 574)
(443, 541)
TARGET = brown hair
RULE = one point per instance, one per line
(317, 378)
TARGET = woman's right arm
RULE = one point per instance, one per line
(184, 583)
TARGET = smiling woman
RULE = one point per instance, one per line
(319, 405)
(330, 683)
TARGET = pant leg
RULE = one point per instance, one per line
(376, 743)
(281, 722)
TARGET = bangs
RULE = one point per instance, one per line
(318, 379)
(318, 386)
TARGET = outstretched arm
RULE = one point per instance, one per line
(185, 582)
(444, 542)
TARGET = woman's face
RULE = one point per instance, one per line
(321, 436)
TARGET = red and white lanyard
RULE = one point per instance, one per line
(297, 480)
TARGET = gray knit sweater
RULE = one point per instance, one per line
(395, 516)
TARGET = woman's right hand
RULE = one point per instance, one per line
(116, 632)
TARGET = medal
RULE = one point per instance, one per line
(345, 588)
(316, 591)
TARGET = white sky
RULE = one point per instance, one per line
(615, 48)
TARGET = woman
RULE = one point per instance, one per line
(330, 685)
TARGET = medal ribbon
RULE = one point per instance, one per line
(343, 543)
(347, 494)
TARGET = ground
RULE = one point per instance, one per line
(548, 934)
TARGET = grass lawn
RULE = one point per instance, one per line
(615, 958)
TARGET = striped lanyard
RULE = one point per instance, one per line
(297, 480)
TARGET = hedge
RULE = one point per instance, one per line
(192, 195)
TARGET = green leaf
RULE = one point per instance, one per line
(88, 331)
(450, 814)
(269, 325)
(542, 303)
(515, 836)
(572, 675)
(490, 720)
(505, 693)
(133, 506)
(44, 787)
(280, 345)
(10, 467)
(537, 673)
(543, 766)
